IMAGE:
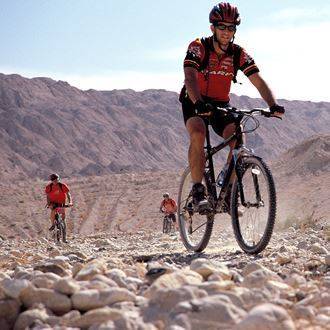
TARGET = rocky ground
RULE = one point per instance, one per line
(147, 280)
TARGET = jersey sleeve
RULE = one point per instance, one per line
(247, 65)
(195, 55)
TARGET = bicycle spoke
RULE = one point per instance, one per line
(195, 229)
(254, 226)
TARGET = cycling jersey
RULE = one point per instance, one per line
(215, 79)
(169, 205)
(57, 194)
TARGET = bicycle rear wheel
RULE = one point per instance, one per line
(253, 221)
(195, 229)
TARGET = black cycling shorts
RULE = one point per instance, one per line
(218, 121)
(172, 216)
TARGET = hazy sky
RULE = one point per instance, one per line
(113, 44)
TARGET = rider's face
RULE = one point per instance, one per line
(223, 33)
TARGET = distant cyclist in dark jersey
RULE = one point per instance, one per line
(209, 67)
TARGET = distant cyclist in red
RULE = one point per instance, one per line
(57, 194)
(210, 66)
(169, 207)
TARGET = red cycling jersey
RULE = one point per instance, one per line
(215, 80)
(169, 205)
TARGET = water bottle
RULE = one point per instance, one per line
(222, 175)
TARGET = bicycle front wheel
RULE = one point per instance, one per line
(253, 205)
(195, 229)
(164, 225)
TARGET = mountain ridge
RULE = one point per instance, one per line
(48, 125)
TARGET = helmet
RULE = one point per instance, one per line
(224, 12)
(54, 177)
(166, 195)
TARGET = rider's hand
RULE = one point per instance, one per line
(70, 204)
(277, 110)
(203, 109)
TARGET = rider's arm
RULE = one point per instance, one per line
(263, 88)
(191, 83)
(68, 195)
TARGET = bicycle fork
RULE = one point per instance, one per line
(239, 173)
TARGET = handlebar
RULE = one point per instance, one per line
(54, 206)
(246, 112)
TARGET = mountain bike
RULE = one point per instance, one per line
(60, 226)
(252, 195)
(168, 225)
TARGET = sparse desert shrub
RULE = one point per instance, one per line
(297, 222)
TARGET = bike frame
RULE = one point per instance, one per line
(209, 165)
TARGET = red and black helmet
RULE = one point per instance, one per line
(224, 12)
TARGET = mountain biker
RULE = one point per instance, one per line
(57, 193)
(207, 84)
(169, 207)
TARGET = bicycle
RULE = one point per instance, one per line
(168, 225)
(252, 196)
(60, 225)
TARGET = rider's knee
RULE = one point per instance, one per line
(197, 137)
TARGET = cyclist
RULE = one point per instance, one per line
(57, 193)
(209, 66)
(169, 207)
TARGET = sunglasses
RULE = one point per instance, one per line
(222, 27)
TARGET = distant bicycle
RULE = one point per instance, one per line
(168, 225)
(252, 199)
(59, 233)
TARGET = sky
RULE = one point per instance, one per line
(116, 44)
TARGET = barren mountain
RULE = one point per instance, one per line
(48, 125)
(129, 202)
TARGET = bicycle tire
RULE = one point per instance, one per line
(164, 225)
(256, 163)
(184, 198)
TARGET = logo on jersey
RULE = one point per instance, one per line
(195, 50)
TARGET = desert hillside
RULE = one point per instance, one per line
(48, 126)
(130, 201)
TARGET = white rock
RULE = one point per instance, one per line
(91, 269)
(172, 281)
(66, 286)
(13, 288)
(317, 248)
(90, 299)
(95, 317)
(216, 312)
(29, 317)
(204, 267)
(267, 316)
(55, 301)
(258, 278)
(327, 259)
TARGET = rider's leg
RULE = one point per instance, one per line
(197, 132)
(52, 219)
